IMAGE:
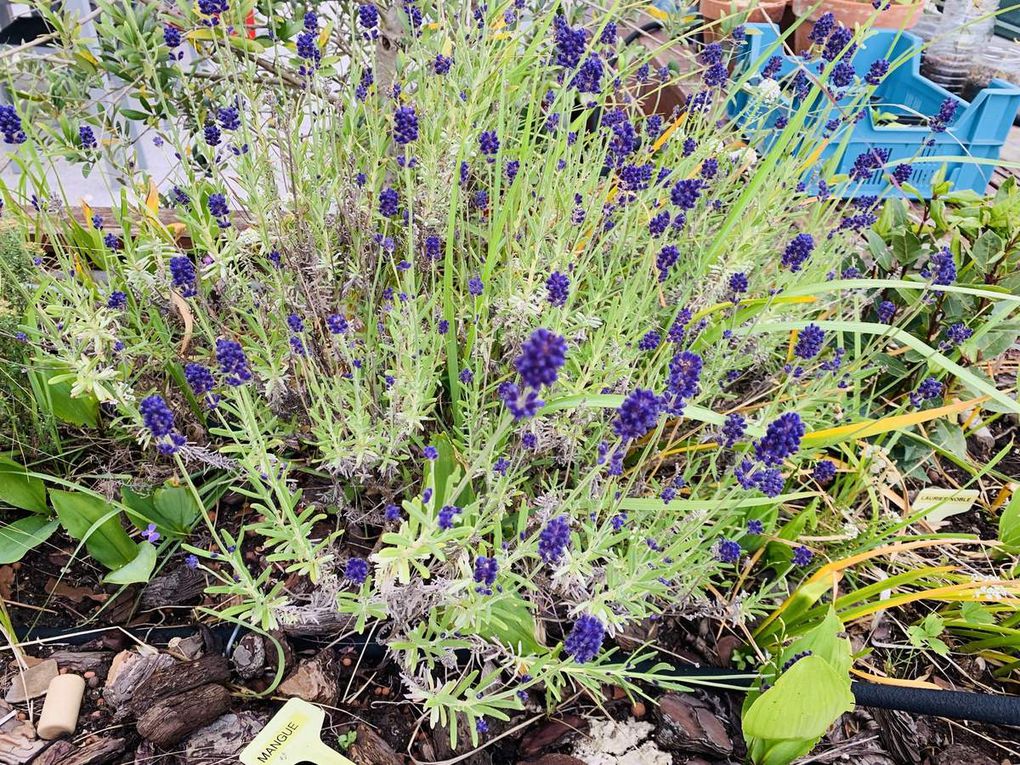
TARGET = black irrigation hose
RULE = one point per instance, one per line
(955, 705)
(647, 28)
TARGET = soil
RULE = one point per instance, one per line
(867, 736)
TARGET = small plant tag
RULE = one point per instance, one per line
(293, 738)
(943, 503)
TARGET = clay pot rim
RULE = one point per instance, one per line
(802, 8)
(743, 5)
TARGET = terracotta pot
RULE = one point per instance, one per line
(761, 11)
(853, 13)
(664, 99)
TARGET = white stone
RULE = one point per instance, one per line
(629, 743)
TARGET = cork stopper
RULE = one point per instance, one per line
(60, 711)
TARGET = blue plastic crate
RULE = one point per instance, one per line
(977, 131)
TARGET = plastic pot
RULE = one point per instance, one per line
(853, 13)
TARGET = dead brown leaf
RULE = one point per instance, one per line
(60, 589)
(189, 321)
(6, 580)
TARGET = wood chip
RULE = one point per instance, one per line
(551, 732)
(369, 748)
(314, 680)
(77, 595)
(174, 717)
(127, 672)
(95, 752)
(178, 587)
(81, 662)
(687, 725)
(178, 678)
(223, 739)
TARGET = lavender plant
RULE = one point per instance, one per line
(505, 367)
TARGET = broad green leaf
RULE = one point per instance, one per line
(140, 504)
(950, 437)
(824, 640)
(138, 569)
(512, 623)
(906, 247)
(134, 114)
(94, 521)
(172, 508)
(781, 752)
(1009, 522)
(446, 473)
(22, 535)
(995, 341)
(879, 250)
(976, 613)
(178, 506)
(20, 489)
(987, 249)
(56, 399)
(802, 704)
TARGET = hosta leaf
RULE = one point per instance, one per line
(93, 520)
(22, 535)
(138, 569)
(20, 489)
(1009, 522)
(802, 704)
(55, 397)
(172, 508)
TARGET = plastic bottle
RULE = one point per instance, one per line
(963, 34)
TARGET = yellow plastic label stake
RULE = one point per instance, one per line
(293, 738)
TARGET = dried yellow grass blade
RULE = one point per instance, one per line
(668, 132)
(903, 683)
(152, 198)
(814, 155)
(865, 428)
(833, 569)
(969, 592)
